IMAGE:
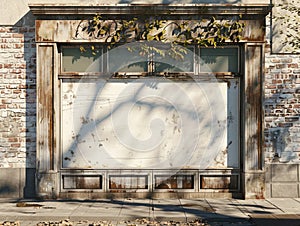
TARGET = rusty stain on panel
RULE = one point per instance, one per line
(45, 30)
(82, 182)
(254, 31)
(219, 182)
(45, 107)
(253, 108)
(221, 159)
(128, 182)
(174, 182)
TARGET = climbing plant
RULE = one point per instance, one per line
(203, 32)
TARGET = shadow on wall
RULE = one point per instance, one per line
(26, 27)
(30, 58)
(282, 122)
(282, 94)
(282, 109)
(6, 189)
(284, 27)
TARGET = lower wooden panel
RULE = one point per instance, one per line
(82, 181)
(219, 182)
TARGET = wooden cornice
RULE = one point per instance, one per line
(151, 9)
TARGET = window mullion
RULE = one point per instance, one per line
(151, 64)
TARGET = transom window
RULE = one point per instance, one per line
(148, 60)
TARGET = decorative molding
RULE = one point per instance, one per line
(151, 9)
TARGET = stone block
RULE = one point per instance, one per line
(284, 190)
(47, 184)
(268, 175)
(254, 184)
(9, 182)
(17, 183)
(268, 193)
(284, 173)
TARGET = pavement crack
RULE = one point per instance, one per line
(210, 206)
(151, 209)
(73, 211)
(277, 207)
(241, 208)
(185, 216)
(118, 222)
(296, 200)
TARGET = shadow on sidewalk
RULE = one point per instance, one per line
(126, 210)
(276, 220)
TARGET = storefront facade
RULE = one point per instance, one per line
(120, 122)
(85, 146)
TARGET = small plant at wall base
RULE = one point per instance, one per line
(204, 32)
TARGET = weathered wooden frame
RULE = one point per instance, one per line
(51, 32)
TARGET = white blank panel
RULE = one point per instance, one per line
(149, 124)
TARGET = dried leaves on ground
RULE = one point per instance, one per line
(137, 222)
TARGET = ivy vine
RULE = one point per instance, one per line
(204, 32)
(172, 33)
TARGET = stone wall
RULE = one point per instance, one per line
(17, 105)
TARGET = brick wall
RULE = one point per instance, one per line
(282, 108)
(17, 95)
(282, 124)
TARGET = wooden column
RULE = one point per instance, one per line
(46, 176)
(253, 181)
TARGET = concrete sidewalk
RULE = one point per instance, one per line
(213, 211)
